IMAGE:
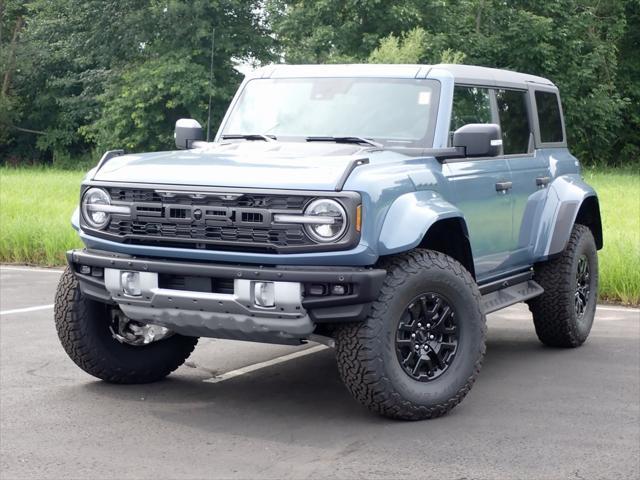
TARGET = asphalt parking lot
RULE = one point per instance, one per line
(535, 412)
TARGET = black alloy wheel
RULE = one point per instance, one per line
(427, 337)
(583, 287)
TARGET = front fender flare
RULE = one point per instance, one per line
(410, 217)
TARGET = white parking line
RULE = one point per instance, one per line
(268, 363)
(608, 308)
(604, 309)
(27, 309)
(27, 269)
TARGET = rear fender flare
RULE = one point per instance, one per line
(567, 195)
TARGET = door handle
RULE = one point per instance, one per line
(503, 186)
(542, 181)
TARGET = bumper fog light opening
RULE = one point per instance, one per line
(130, 283)
(264, 294)
(338, 289)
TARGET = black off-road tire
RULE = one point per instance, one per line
(366, 351)
(554, 314)
(83, 329)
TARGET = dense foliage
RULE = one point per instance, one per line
(89, 75)
(80, 76)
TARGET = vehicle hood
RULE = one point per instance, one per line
(251, 164)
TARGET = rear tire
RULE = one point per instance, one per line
(563, 315)
(376, 359)
(83, 329)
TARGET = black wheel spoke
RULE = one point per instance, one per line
(403, 327)
(416, 368)
(408, 361)
(441, 319)
(448, 346)
(429, 363)
(430, 312)
(414, 312)
(449, 330)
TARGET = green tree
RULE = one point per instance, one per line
(64, 59)
(417, 46)
(409, 48)
(141, 105)
(322, 31)
(628, 85)
(11, 27)
(89, 70)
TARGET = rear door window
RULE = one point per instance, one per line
(470, 105)
(514, 121)
(549, 118)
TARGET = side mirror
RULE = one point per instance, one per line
(479, 139)
(187, 131)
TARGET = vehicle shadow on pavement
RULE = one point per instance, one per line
(306, 392)
(309, 385)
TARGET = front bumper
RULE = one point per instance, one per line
(222, 304)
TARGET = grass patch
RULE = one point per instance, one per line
(619, 260)
(36, 207)
(35, 215)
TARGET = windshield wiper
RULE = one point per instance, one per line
(349, 139)
(249, 136)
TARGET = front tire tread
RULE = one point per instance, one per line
(355, 360)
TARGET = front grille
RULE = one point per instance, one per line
(208, 221)
(152, 230)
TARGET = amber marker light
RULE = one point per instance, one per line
(358, 218)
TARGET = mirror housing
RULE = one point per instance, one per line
(479, 139)
(187, 131)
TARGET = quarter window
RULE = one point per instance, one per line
(549, 117)
(514, 121)
(470, 105)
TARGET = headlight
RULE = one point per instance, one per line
(326, 232)
(93, 208)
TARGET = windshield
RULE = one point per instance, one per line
(387, 110)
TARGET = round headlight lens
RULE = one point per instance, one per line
(327, 209)
(91, 201)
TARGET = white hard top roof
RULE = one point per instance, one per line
(466, 74)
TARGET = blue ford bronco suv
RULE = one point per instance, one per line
(381, 209)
